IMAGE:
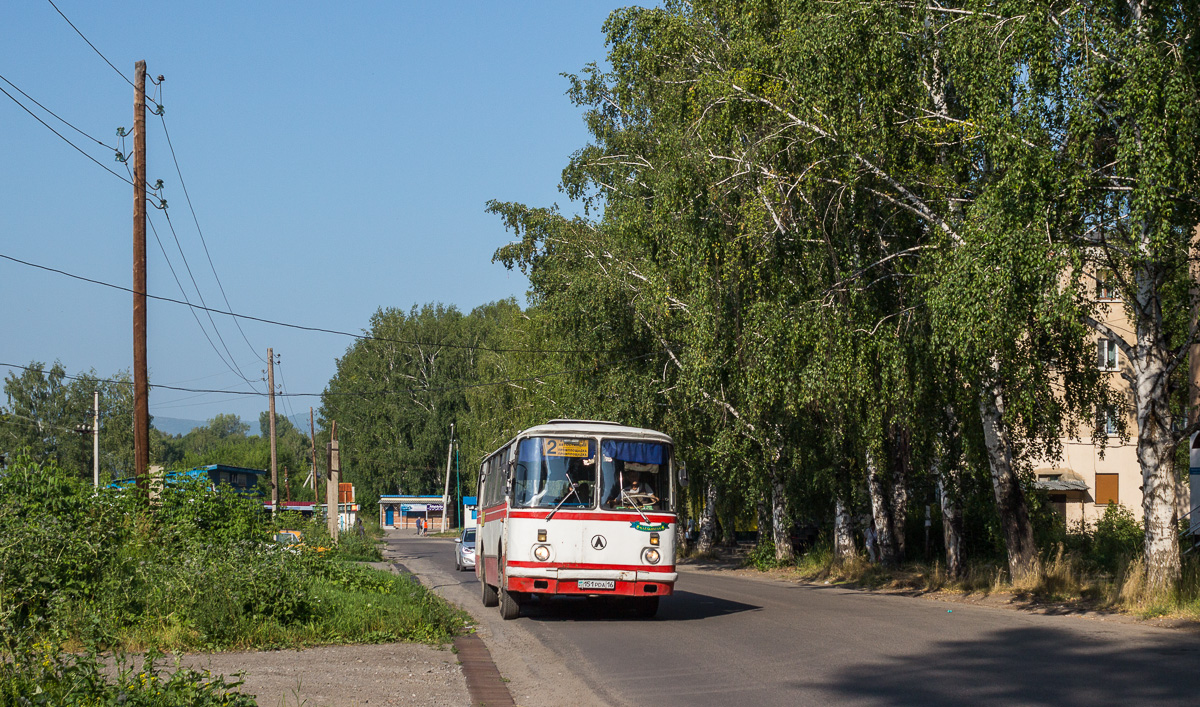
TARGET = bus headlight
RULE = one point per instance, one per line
(651, 555)
(541, 553)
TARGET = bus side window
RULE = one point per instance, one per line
(485, 484)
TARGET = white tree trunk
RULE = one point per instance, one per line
(881, 516)
(898, 504)
(1023, 559)
(764, 517)
(1156, 439)
(843, 533)
(708, 520)
(946, 472)
(780, 523)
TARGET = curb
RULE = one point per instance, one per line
(483, 679)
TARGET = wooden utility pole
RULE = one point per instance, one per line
(331, 483)
(141, 382)
(271, 425)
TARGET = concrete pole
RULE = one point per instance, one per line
(446, 492)
(331, 484)
(271, 425)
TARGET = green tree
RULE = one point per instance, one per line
(45, 411)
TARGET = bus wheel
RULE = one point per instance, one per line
(510, 608)
(646, 607)
(489, 592)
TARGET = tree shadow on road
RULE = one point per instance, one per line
(1034, 665)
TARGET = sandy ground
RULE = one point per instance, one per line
(388, 674)
(536, 675)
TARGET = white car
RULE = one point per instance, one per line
(464, 550)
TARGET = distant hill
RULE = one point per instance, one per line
(175, 425)
(181, 426)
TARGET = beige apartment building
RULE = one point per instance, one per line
(1089, 478)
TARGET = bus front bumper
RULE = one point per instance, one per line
(550, 580)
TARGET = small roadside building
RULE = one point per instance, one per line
(398, 512)
(470, 512)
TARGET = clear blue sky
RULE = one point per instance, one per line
(338, 155)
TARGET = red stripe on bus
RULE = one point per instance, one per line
(585, 515)
(589, 566)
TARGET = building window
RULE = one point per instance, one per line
(1106, 489)
(1111, 422)
(1106, 285)
(1108, 354)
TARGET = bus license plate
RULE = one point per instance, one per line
(597, 584)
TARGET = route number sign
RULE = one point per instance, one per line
(565, 448)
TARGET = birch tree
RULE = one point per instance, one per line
(1133, 136)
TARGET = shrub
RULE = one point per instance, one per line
(1117, 538)
(199, 571)
(762, 557)
(42, 674)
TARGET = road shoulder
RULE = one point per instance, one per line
(537, 675)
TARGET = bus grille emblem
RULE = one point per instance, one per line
(598, 542)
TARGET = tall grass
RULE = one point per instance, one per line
(200, 571)
(1098, 567)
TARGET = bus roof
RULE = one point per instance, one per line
(597, 428)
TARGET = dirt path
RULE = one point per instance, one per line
(536, 675)
(388, 674)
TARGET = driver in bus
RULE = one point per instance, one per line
(637, 487)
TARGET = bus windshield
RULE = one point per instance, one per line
(635, 475)
(546, 469)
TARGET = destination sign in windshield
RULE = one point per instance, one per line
(574, 448)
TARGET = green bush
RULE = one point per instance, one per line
(42, 674)
(199, 570)
(762, 557)
(1117, 538)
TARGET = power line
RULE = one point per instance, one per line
(232, 366)
(398, 391)
(199, 294)
(283, 387)
(63, 138)
(56, 115)
(203, 242)
(89, 43)
(361, 337)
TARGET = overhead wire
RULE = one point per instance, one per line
(56, 115)
(200, 231)
(232, 362)
(232, 367)
(199, 294)
(64, 138)
(89, 43)
(283, 387)
(373, 393)
(301, 327)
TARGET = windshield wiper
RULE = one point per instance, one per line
(564, 499)
(621, 481)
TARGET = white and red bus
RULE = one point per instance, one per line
(578, 507)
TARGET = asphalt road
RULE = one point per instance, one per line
(723, 639)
